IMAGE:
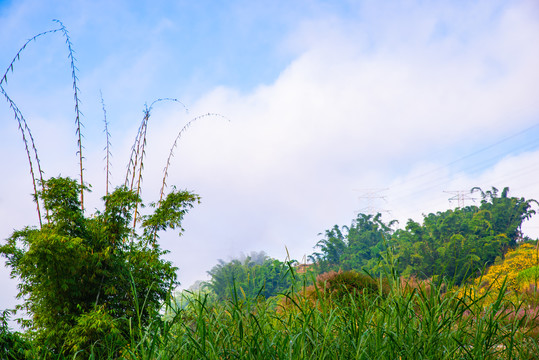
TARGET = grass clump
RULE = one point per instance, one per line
(413, 323)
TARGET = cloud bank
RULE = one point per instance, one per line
(410, 97)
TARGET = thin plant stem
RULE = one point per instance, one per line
(78, 114)
(138, 154)
(107, 147)
(23, 127)
(175, 145)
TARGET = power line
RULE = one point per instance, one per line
(442, 179)
(501, 141)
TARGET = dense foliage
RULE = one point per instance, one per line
(423, 322)
(256, 306)
(460, 243)
(12, 344)
(454, 243)
(82, 278)
(253, 276)
(357, 247)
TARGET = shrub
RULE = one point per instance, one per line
(82, 277)
(343, 283)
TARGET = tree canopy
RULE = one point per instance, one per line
(82, 278)
(254, 275)
(454, 243)
(354, 247)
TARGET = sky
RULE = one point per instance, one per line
(325, 109)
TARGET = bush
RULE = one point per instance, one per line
(82, 277)
(343, 283)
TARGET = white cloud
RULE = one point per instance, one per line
(378, 98)
(338, 119)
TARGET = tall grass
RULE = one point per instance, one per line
(414, 321)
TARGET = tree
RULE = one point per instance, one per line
(455, 243)
(458, 243)
(507, 213)
(356, 247)
(83, 278)
(253, 276)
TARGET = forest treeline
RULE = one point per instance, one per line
(456, 244)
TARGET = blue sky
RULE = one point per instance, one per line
(326, 99)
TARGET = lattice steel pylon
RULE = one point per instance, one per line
(370, 197)
(461, 196)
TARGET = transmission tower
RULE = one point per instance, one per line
(371, 199)
(461, 196)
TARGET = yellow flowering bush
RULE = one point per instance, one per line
(513, 269)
